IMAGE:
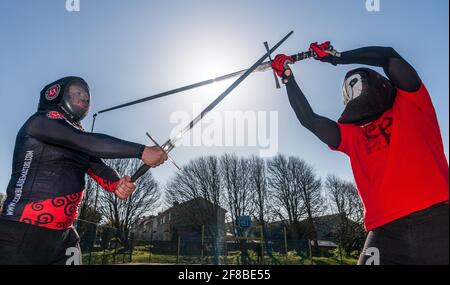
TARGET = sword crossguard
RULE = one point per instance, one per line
(166, 147)
(277, 82)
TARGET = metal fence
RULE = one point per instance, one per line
(102, 245)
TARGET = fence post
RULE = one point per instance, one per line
(91, 245)
(285, 245)
(225, 254)
(103, 256)
(150, 253)
(131, 247)
(262, 245)
(203, 242)
(115, 252)
(178, 249)
(90, 255)
(310, 253)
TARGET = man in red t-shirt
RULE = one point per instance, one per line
(390, 132)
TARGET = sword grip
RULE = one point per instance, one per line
(303, 55)
(141, 171)
(310, 53)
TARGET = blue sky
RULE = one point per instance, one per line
(135, 48)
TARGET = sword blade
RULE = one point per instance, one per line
(257, 66)
(170, 144)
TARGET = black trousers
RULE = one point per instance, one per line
(421, 238)
(25, 244)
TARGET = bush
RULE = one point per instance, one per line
(355, 254)
(292, 253)
(337, 252)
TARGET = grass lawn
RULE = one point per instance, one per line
(142, 256)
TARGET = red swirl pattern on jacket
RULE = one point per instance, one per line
(56, 213)
(108, 185)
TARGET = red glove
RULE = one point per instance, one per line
(280, 64)
(321, 51)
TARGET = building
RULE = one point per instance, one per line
(327, 230)
(187, 220)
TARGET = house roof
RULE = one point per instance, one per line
(325, 243)
(326, 219)
(180, 205)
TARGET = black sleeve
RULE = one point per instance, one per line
(100, 169)
(61, 133)
(325, 129)
(398, 70)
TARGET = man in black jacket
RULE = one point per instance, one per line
(52, 154)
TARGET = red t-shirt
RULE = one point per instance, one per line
(398, 160)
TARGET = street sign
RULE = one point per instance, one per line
(244, 221)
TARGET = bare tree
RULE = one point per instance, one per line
(287, 202)
(239, 196)
(87, 211)
(199, 181)
(239, 193)
(124, 214)
(346, 203)
(258, 183)
(311, 195)
(2, 201)
(88, 217)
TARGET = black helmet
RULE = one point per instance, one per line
(70, 94)
(366, 94)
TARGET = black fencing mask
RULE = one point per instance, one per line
(367, 94)
(70, 95)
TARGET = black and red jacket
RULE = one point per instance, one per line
(51, 157)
